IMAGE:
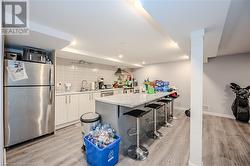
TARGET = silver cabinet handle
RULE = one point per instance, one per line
(70, 99)
(66, 99)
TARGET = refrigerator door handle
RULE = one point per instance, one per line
(50, 94)
(50, 76)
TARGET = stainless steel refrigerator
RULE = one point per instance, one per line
(29, 109)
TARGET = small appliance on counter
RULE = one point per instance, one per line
(93, 85)
(35, 55)
(85, 86)
(28, 54)
(101, 83)
(107, 93)
(108, 86)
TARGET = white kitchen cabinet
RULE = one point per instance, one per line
(72, 108)
(87, 102)
(66, 109)
(61, 110)
(84, 103)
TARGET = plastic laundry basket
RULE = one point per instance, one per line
(108, 156)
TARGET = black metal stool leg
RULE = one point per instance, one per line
(165, 117)
(174, 117)
(154, 134)
(155, 125)
(137, 152)
(169, 116)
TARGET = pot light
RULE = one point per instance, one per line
(173, 44)
(95, 70)
(184, 56)
(138, 4)
(113, 59)
(137, 65)
(120, 56)
(73, 43)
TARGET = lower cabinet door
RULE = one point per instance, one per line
(72, 108)
(84, 104)
(61, 110)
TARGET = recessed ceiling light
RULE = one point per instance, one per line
(143, 62)
(94, 70)
(113, 59)
(73, 43)
(137, 65)
(185, 56)
(138, 4)
(172, 44)
(120, 56)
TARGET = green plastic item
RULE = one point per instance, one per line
(151, 90)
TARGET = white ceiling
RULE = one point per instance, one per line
(180, 17)
(101, 30)
(236, 34)
(106, 29)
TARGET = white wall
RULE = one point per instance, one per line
(71, 71)
(177, 73)
(218, 73)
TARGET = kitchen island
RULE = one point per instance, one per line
(112, 109)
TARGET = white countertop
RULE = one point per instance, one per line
(133, 99)
(91, 91)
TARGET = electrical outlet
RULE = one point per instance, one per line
(59, 84)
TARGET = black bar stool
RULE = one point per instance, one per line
(137, 152)
(166, 102)
(172, 106)
(155, 134)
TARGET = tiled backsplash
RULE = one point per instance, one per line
(71, 71)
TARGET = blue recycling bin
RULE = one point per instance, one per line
(108, 156)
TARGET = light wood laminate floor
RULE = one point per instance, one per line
(225, 143)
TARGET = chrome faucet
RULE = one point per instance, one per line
(84, 85)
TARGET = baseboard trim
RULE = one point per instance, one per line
(192, 164)
(218, 114)
(208, 113)
(58, 127)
